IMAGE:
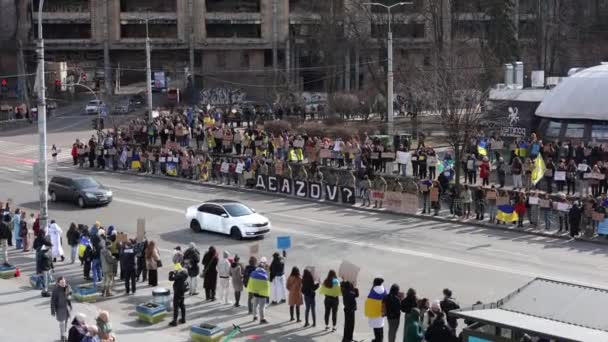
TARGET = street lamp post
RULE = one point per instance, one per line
(42, 176)
(148, 73)
(389, 71)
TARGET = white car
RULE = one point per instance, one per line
(93, 107)
(227, 217)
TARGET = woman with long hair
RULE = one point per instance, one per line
(332, 292)
(152, 263)
(210, 261)
(294, 286)
(309, 286)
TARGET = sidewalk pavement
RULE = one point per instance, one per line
(444, 214)
(31, 320)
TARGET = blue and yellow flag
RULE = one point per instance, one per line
(539, 170)
(482, 147)
(373, 304)
(506, 213)
(82, 246)
(258, 283)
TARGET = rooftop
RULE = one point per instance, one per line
(549, 308)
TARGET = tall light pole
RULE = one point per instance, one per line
(43, 167)
(148, 73)
(389, 71)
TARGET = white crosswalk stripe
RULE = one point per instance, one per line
(31, 151)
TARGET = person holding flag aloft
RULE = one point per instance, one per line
(259, 286)
(374, 309)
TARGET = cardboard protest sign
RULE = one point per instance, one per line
(404, 157)
(122, 237)
(254, 250)
(388, 155)
(141, 229)
(349, 272)
(377, 195)
(560, 176)
(434, 195)
(533, 200)
(324, 153)
(239, 167)
(544, 203)
(491, 195)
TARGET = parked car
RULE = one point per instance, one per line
(137, 100)
(229, 218)
(93, 107)
(83, 191)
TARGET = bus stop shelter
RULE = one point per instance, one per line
(543, 309)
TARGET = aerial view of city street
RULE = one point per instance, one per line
(303, 170)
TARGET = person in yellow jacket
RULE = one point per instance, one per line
(259, 286)
(332, 292)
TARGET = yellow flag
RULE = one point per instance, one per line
(539, 170)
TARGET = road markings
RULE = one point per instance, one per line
(364, 244)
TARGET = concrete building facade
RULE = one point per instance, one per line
(254, 45)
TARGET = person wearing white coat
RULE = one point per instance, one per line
(223, 271)
(54, 233)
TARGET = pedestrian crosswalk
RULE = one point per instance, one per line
(16, 153)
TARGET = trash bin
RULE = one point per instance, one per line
(162, 296)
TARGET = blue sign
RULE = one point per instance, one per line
(283, 242)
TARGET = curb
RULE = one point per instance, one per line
(535, 232)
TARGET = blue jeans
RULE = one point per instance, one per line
(96, 267)
(309, 302)
(492, 211)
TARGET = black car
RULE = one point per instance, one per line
(83, 191)
(137, 100)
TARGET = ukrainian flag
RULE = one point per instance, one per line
(482, 147)
(539, 170)
(172, 169)
(506, 213)
(82, 246)
(373, 304)
(258, 283)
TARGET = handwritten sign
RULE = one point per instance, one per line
(141, 229)
(377, 195)
(544, 203)
(225, 167)
(239, 167)
(560, 175)
(533, 200)
(404, 157)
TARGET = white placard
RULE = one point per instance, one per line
(239, 167)
(560, 175)
(162, 159)
(225, 167)
(561, 206)
(533, 200)
(404, 157)
(583, 167)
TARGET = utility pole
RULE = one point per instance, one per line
(275, 43)
(148, 73)
(43, 167)
(389, 71)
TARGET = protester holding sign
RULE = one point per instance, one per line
(309, 286)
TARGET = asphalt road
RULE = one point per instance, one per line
(476, 263)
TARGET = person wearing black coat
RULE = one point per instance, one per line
(439, 331)
(575, 215)
(392, 305)
(73, 240)
(44, 265)
(179, 277)
(349, 295)
(253, 261)
(5, 238)
(127, 260)
(409, 302)
(191, 259)
(210, 260)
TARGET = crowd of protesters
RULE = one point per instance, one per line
(201, 145)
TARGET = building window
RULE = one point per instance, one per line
(227, 30)
(554, 129)
(268, 57)
(575, 130)
(245, 60)
(599, 131)
(413, 30)
(66, 31)
(221, 59)
(231, 6)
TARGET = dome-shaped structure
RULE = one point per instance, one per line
(583, 95)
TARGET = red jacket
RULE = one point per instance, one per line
(74, 151)
(520, 208)
(484, 170)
